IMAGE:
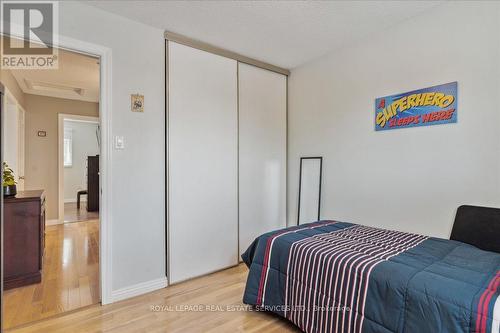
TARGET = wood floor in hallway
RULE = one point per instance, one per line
(74, 214)
(70, 276)
(174, 310)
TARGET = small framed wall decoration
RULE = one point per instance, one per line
(424, 107)
(137, 102)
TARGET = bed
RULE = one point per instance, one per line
(331, 276)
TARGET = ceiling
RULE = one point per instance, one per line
(283, 33)
(77, 77)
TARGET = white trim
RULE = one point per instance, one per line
(139, 289)
(53, 222)
(10, 99)
(73, 200)
(80, 119)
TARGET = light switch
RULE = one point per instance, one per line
(119, 142)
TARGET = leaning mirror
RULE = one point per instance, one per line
(309, 203)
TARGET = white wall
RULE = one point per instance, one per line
(84, 145)
(408, 179)
(138, 171)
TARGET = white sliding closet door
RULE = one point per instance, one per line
(262, 152)
(203, 148)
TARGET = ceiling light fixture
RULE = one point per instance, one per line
(52, 87)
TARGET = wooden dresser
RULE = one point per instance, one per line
(24, 238)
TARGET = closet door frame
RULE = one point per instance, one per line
(180, 39)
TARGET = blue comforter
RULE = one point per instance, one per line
(332, 276)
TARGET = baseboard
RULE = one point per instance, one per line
(72, 200)
(53, 222)
(138, 289)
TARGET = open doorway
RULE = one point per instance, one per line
(79, 148)
(51, 263)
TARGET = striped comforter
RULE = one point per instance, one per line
(333, 276)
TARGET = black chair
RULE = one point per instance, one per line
(78, 194)
(478, 226)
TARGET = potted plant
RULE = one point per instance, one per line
(8, 181)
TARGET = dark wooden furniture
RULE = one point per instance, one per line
(24, 238)
(93, 183)
(78, 195)
(478, 226)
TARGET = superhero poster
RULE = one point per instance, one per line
(429, 106)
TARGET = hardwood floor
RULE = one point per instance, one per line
(73, 214)
(160, 311)
(70, 277)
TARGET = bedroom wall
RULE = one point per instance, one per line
(407, 179)
(138, 171)
(41, 153)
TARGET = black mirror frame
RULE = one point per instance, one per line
(320, 158)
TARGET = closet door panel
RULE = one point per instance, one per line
(262, 152)
(203, 208)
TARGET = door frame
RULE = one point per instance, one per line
(9, 98)
(60, 155)
(21, 146)
(105, 106)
